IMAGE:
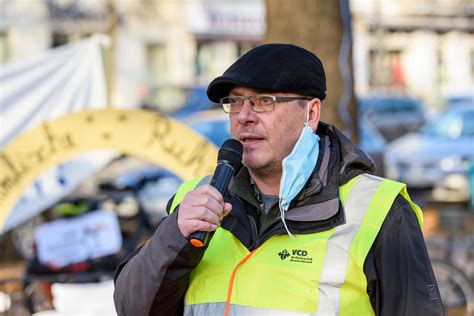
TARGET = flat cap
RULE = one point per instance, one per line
(274, 68)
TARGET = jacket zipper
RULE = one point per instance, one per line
(254, 232)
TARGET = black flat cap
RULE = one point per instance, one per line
(273, 68)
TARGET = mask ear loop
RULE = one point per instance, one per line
(307, 116)
(282, 215)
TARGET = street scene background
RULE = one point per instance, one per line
(103, 113)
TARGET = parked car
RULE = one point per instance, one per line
(437, 157)
(393, 116)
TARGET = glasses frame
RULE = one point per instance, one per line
(251, 98)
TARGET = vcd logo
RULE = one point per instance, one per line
(300, 253)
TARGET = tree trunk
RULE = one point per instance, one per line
(317, 25)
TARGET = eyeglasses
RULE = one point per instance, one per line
(258, 103)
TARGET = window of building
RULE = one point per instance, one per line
(386, 69)
(157, 64)
(213, 57)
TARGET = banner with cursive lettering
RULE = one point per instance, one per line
(145, 134)
(57, 82)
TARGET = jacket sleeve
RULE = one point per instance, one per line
(155, 279)
(399, 273)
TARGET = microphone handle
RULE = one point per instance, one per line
(220, 180)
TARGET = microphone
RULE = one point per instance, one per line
(229, 160)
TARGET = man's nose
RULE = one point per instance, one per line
(246, 113)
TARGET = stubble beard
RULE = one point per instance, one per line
(264, 169)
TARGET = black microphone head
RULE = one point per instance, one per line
(231, 151)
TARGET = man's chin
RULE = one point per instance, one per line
(250, 161)
(257, 166)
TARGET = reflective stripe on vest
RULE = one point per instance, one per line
(316, 274)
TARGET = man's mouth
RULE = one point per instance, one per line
(250, 138)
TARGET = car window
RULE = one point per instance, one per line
(468, 124)
(391, 106)
(398, 106)
(453, 124)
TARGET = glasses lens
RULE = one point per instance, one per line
(258, 103)
(263, 103)
(232, 104)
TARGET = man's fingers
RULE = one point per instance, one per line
(202, 210)
(209, 202)
(204, 214)
(210, 190)
(198, 225)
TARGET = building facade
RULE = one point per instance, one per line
(162, 48)
(421, 48)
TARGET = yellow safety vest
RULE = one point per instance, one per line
(314, 274)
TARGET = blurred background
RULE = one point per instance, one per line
(400, 78)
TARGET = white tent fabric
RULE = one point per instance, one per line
(58, 82)
(63, 80)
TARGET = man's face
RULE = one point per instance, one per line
(267, 137)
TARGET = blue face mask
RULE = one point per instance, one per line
(297, 167)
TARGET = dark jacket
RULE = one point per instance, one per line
(399, 274)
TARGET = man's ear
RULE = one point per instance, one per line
(314, 113)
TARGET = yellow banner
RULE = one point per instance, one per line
(145, 134)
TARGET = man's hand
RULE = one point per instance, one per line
(202, 210)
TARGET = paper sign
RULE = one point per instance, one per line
(66, 241)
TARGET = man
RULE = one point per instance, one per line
(303, 229)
